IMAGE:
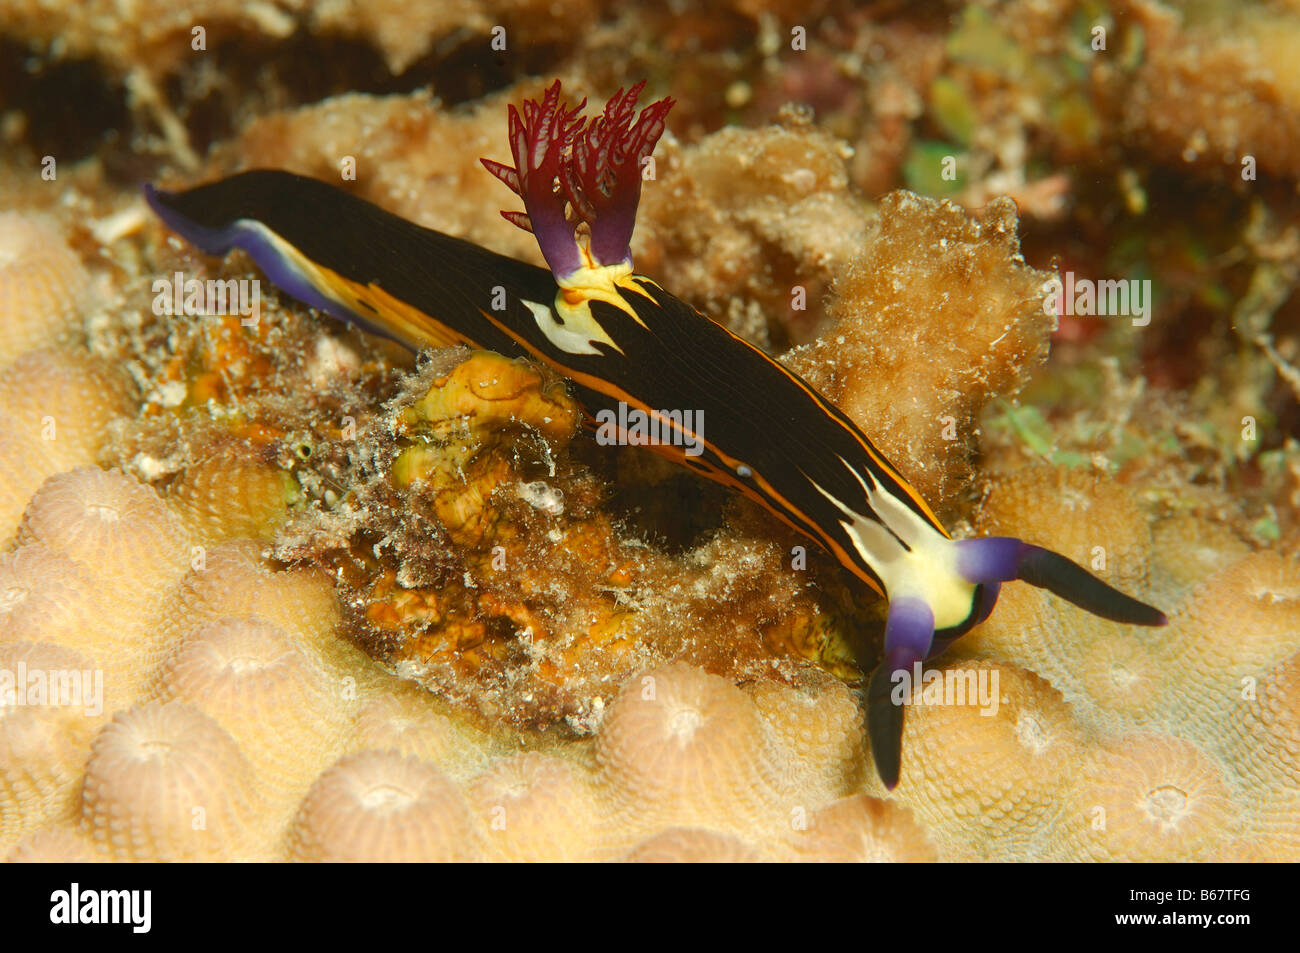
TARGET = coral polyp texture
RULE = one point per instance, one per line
(379, 805)
(43, 285)
(272, 588)
(166, 782)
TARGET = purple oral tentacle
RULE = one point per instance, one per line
(989, 558)
(1003, 558)
(909, 635)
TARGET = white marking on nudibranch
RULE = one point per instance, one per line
(564, 337)
(927, 572)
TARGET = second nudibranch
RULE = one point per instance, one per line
(626, 343)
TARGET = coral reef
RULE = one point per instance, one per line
(895, 299)
(351, 606)
(1150, 798)
(43, 745)
(277, 704)
(57, 405)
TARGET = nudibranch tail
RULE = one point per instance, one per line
(594, 167)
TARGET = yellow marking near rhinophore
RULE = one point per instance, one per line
(563, 334)
(596, 283)
(571, 326)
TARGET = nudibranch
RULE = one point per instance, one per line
(623, 341)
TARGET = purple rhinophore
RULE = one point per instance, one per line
(996, 559)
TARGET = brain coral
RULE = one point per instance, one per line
(48, 597)
(689, 845)
(57, 406)
(405, 718)
(818, 723)
(47, 720)
(227, 496)
(535, 807)
(988, 746)
(863, 829)
(1148, 797)
(1261, 741)
(1094, 521)
(232, 581)
(683, 747)
(1236, 625)
(275, 701)
(56, 845)
(123, 533)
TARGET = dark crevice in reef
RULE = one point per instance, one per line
(674, 515)
(250, 76)
(668, 508)
(74, 108)
(309, 68)
(70, 107)
(472, 69)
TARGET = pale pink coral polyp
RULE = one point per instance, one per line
(43, 285)
(535, 807)
(1151, 797)
(43, 738)
(379, 806)
(166, 782)
(683, 747)
(277, 703)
